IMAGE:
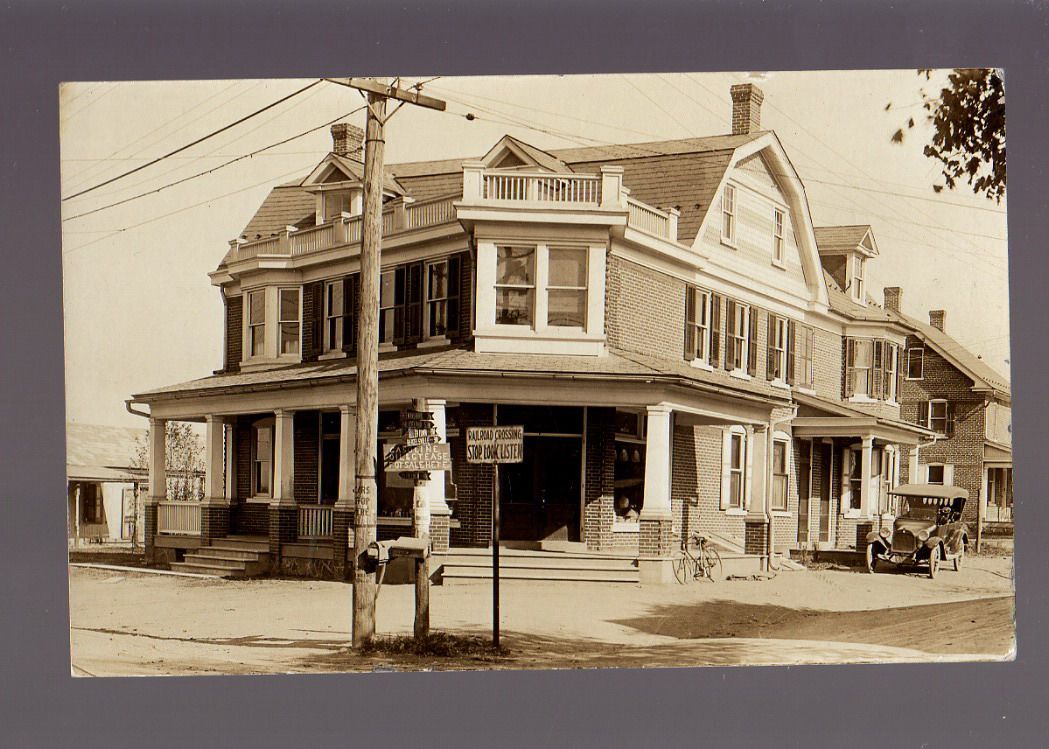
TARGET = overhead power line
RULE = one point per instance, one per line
(198, 140)
(216, 168)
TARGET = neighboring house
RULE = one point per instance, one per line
(103, 483)
(685, 350)
(957, 395)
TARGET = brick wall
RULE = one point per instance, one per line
(644, 309)
(696, 483)
(234, 333)
(249, 518)
(473, 481)
(963, 450)
(600, 478)
(828, 364)
(306, 448)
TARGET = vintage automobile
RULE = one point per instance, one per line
(928, 530)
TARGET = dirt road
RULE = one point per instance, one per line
(137, 623)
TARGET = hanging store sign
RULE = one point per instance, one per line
(502, 444)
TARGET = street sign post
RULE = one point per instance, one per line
(495, 445)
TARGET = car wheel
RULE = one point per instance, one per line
(958, 560)
(934, 561)
(872, 559)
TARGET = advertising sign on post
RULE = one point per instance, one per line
(495, 445)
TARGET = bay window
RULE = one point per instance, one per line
(566, 287)
(871, 369)
(859, 355)
(289, 321)
(515, 285)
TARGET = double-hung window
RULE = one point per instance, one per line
(387, 305)
(857, 277)
(566, 287)
(804, 344)
(728, 215)
(737, 336)
(780, 473)
(777, 348)
(916, 363)
(289, 321)
(334, 315)
(697, 325)
(737, 469)
(515, 285)
(890, 365)
(257, 322)
(437, 292)
(939, 416)
(859, 359)
(777, 235)
(262, 458)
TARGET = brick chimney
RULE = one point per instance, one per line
(746, 108)
(936, 318)
(893, 297)
(347, 140)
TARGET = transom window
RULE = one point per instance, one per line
(257, 322)
(515, 285)
(780, 474)
(915, 363)
(777, 235)
(566, 287)
(289, 321)
(697, 325)
(728, 215)
(334, 315)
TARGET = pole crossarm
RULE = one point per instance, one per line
(390, 92)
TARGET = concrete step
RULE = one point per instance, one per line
(258, 544)
(230, 552)
(207, 569)
(454, 575)
(537, 562)
(216, 561)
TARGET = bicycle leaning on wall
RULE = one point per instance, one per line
(699, 559)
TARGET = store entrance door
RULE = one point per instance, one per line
(540, 497)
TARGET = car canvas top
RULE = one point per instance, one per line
(930, 491)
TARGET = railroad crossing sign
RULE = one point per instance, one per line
(495, 444)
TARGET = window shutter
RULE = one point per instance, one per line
(948, 475)
(850, 360)
(792, 345)
(413, 303)
(316, 344)
(923, 473)
(690, 315)
(726, 467)
(350, 301)
(748, 461)
(923, 413)
(950, 419)
(715, 329)
(877, 366)
(752, 343)
(730, 334)
(770, 348)
(399, 303)
(454, 293)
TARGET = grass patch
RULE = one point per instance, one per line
(436, 644)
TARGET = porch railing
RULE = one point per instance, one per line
(314, 521)
(178, 518)
(543, 188)
(648, 219)
(996, 514)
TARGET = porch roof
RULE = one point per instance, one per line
(834, 419)
(615, 365)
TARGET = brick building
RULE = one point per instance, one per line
(685, 350)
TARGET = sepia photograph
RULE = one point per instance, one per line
(438, 373)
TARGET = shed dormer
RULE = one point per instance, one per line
(844, 251)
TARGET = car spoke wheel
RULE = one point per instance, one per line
(958, 560)
(934, 561)
(872, 559)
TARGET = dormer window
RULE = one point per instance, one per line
(335, 203)
(857, 277)
(728, 215)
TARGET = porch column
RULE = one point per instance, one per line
(342, 512)
(231, 463)
(865, 475)
(283, 511)
(655, 542)
(158, 483)
(758, 488)
(214, 512)
(440, 513)
(912, 466)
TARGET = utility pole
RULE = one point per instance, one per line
(364, 584)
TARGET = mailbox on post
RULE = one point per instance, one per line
(404, 547)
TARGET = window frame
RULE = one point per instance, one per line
(281, 322)
(921, 361)
(943, 474)
(584, 289)
(530, 288)
(334, 323)
(728, 215)
(741, 321)
(945, 418)
(261, 325)
(890, 353)
(741, 471)
(779, 221)
(858, 281)
(389, 311)
(805, 359)
(851, 369)
(430, 301)
(784, 475)
(270, 424)
(778, 345)
(698, 324)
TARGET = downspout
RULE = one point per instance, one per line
(133, 412)
(769, 445)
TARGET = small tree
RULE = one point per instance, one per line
(968, 119)
(184, 460)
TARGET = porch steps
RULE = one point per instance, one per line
(474, 565)
(233, 556)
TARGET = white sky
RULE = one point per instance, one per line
(140, 311)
